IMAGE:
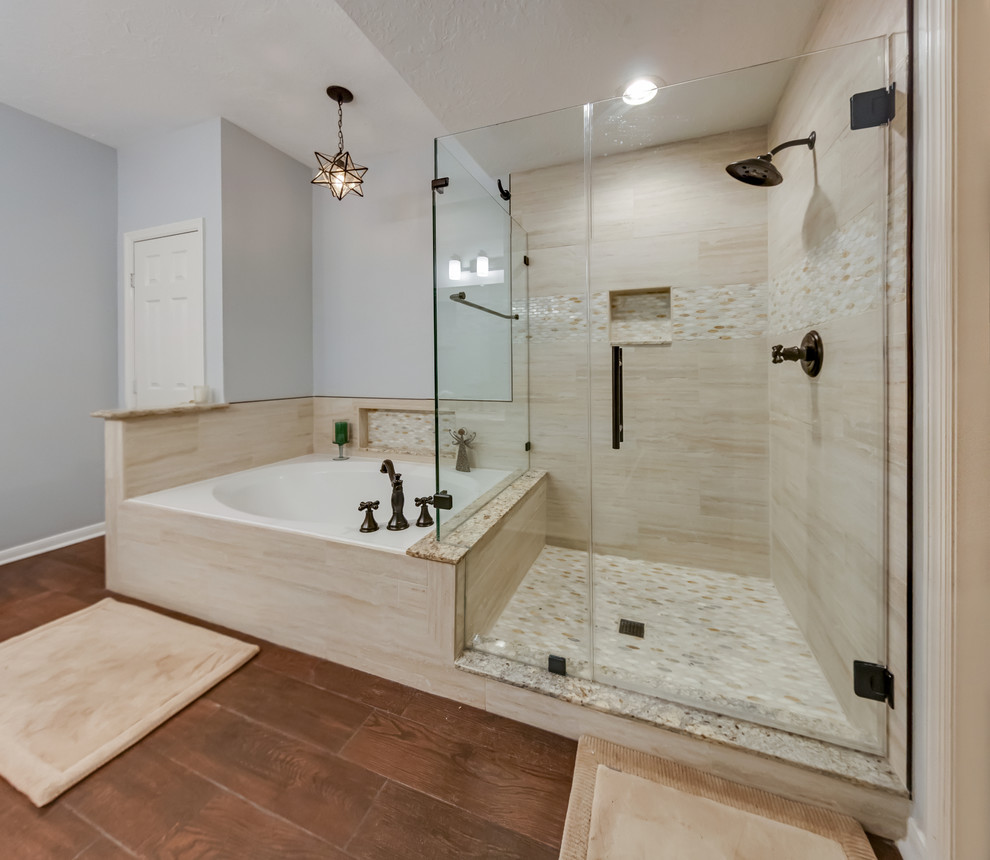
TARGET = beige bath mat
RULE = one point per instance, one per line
(78, 691)
(627, 805)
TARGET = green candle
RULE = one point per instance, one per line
(340, 432)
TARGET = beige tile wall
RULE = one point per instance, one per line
(169, 450)
(690, 484)
(497, 564)
(384, 613)
(839, 444)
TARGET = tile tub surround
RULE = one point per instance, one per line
(713, 639)
(396, 615)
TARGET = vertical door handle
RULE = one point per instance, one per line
(616, 396)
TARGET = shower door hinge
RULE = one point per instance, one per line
(438, 185)
(529, 447)
(872, 108)
(873, 681)
(557, 665)
(443, 501)
(525, 259)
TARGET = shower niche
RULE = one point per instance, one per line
(752, 523)
(639, 317)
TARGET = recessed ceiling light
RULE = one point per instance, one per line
(640, 91)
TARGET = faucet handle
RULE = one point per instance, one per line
(424, 502)
(369, 524)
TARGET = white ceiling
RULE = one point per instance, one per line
(477, 63)
(120, 70)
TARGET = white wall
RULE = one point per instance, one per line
(57, 325)
(267, 270)
(169, 178)
(373, 281)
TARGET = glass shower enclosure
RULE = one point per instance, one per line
(698, 364)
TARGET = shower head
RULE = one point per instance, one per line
(760, 170)
(755, 171)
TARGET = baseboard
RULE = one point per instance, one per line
(912, 846)
(37, 547)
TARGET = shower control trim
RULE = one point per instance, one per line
(811, 353)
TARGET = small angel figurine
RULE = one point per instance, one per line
(463, 442)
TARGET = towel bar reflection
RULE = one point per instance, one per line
(461, 299)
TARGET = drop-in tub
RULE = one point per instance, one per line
(317, 495)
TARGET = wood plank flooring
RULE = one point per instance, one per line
(292, 757)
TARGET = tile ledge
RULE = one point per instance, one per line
(182, 409)
(457, 544)
(860, 768)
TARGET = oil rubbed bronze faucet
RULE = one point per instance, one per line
(811, 353)
(398, 521)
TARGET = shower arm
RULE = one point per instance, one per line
(461, 299)
(808, 141)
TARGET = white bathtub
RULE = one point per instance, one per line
(315, 495)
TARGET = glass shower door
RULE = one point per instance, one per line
(738, 502)
(535, 607)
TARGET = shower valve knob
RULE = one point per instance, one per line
(779, 354)
(810, 353)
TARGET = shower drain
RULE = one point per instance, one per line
(632, 628)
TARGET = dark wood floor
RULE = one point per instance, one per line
(291, 757)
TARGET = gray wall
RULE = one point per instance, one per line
(57, 325)
(373, 281)
(267, 270)
(176, 177)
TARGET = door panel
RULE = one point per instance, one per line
(168, 319)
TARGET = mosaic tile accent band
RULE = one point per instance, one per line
(841, 277)
(719, 312)
(716, 640)
(397, 431)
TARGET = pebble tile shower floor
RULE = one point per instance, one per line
(715, 640)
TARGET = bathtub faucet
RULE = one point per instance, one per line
(398, 520)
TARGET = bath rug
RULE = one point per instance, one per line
(78, 691)
(629, 804)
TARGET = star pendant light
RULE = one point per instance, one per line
(339, 173)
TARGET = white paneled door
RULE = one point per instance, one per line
(168, 319)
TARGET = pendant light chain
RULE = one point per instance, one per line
(339, 173)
